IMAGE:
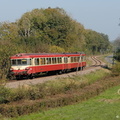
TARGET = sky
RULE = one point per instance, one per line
(99, 15)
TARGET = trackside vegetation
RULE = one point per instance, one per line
(103, 107)
(25, 100)
(116, 49)
(116, 69)
(47, 30)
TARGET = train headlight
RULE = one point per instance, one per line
(27, 68)
(11, 69)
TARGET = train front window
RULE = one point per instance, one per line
(13, 62)
(24, 61)
(20, 62)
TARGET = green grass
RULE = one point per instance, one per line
(103, 107)
(93, 76)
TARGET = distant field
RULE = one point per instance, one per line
(103, 107)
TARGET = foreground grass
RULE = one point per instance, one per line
(68, 90)
(103, 107)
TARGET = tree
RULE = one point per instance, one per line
(9, 32)
(117, 48)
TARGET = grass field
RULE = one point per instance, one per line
(103, 107)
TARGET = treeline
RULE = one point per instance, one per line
(47, 30)
(117, 49)
(116, 55)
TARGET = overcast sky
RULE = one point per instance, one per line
(99, 15)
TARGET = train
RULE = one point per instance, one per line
(30, 64)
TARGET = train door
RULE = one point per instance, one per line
(69, 63)
(37, 62)
(32, 65)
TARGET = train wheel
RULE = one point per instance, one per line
(19, 77)
(59, 72)
(50, 73)
(31, 76)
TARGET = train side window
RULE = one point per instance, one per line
(72, 60)
(29, 62)
(65, 60)
(59, 60)
(42, 61)
(54, 60)
(78, 59)
(48, 60)
(36, 61)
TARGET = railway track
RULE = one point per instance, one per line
(17, 83)
(96, 61)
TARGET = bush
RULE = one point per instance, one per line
(116, 69)
(4, 94)
(17, 94)
(35, 93)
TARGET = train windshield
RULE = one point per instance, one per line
(15, 62)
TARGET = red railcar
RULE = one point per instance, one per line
(30, 64)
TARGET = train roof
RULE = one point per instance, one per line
(35, 55)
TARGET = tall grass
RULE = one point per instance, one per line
(49, 88)
(103, 107)
(51, 94)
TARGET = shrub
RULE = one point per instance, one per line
(35, 93)
(4, 94)
(116, 69)
(17, 94)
